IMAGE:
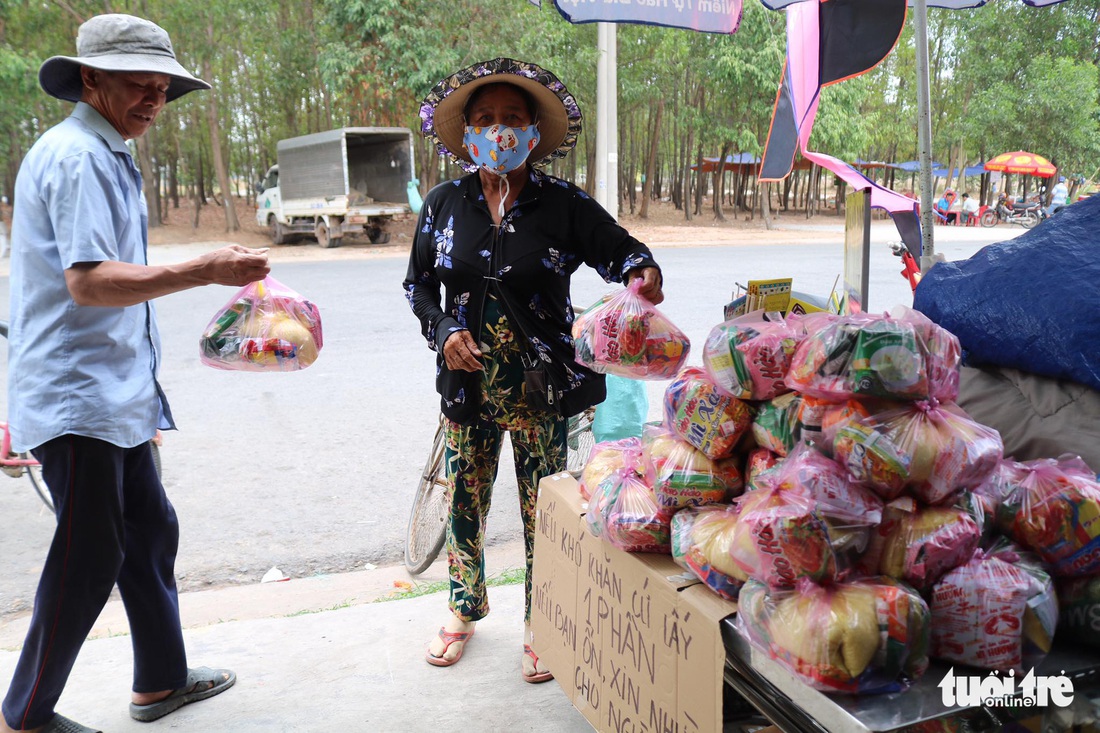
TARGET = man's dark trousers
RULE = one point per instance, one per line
(114, 525)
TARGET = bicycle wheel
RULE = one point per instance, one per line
(427, 529)
(34, 473)
(580, 441)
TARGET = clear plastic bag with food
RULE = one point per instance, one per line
(702, 415)
(625, 335)
(997, 611)
(266, 326)
(748, 357)
(623, 509)
(701, 541)
(775, 425)
(807, 521)
(635, 523)
(818, 419)
(604, 459)
(919, 544)
(684, 475)
(809, 472)
(901, 356)
(985, 500)
(934, 450)
(1054, 511)
(866, 636)
(758, 462)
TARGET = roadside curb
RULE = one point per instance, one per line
(294, 597)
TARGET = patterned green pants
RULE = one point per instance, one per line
(473, 453)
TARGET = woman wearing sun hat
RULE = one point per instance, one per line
(489, 280)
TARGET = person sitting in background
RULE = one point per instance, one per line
(969, 209)
(943, 207)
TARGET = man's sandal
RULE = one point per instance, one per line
(449, 637)
(61, 724)
(202, 683)
(537, 676)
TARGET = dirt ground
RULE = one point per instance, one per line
(665, 226)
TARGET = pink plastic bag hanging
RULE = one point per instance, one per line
(625, 335)
(266, 326)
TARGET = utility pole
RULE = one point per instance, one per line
(924, 136)
(607, 120)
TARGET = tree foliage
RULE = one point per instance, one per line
(1004, 77)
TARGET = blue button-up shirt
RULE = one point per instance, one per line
(83, 370)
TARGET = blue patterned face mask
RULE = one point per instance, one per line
(499, 148)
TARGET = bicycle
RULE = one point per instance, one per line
(16, 464)
(427, 529)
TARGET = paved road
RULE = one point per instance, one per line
(314, 471)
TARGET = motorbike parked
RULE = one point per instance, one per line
(1026, 215)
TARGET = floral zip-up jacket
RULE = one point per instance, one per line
(551, 229)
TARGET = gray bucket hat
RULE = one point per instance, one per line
(116, 42)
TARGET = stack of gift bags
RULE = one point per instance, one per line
(817, 469)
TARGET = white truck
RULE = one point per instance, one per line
(334, 183)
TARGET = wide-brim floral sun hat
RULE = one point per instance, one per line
(559, 117)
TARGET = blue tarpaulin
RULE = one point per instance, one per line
(974, 170)
(1031, 303)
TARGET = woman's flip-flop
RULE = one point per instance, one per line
(537, 676)
(449, 637)
(202, 683)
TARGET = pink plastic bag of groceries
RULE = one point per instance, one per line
(933, 450)
(625, 335)
(901, 356)
(265, 327)
(623, 509)
(749, 357)
(997, 611)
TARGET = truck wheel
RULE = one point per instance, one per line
(278, 234)
(323, 237)
(377, 236)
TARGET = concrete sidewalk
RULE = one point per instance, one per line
(357, 667)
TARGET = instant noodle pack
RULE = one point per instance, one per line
(818, 470)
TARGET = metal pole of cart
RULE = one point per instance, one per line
(924, 135)
(607, 116)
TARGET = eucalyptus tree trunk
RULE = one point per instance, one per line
(148, 179)
(720, 181)
(766, 205)
(651, 160)
(699, 181)
(220, 167)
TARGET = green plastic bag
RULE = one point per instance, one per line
(621, 415)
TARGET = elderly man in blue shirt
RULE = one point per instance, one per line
(83, 360)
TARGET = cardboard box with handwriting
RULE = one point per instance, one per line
(634, 642)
